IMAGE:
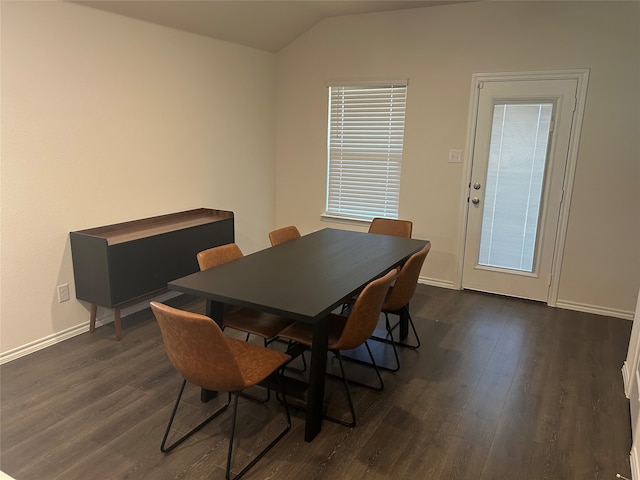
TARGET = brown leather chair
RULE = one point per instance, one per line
(215, 256)
(388, 226)
(245, 320)
(346, 333)
(282, 235)
(398, 297)
(201, 353)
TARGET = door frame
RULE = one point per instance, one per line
(582, 77)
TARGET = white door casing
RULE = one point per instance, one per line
(631, 378)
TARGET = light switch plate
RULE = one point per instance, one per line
(455, 156)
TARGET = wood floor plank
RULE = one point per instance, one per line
(501, 388)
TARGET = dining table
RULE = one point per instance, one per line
(305, 279)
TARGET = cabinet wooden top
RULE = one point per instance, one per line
(147, 227)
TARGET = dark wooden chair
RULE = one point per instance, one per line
(346, 333)
(201, 353)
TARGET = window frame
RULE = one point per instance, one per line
(385, 155)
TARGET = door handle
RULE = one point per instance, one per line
(475, 200)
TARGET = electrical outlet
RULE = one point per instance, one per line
(63, 292)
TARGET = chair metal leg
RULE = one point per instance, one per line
(163, 447)
(352, 423)
(166, 449)
(290, 343)
(393, 343)
(413, 327)
(233, 431)
(346, 383)
(375, 366)
(373, 363)
(304, 362)
(268, 447)
(405, 310)
(390, 328)
(346, 308)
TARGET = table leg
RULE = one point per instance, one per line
(317, 370)
(215, 311)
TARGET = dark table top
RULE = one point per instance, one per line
(303, 279)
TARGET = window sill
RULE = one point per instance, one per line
(326, 217)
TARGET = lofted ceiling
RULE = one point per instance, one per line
(267, 25)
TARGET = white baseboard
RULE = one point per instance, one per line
(567, 305)
(436, 282)
(45, 342)
(105, 318)
(583, 307)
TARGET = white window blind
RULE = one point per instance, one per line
(365, 139)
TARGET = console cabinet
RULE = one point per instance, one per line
(122, 264)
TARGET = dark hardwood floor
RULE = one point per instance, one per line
(500, 389)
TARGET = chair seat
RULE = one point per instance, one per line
(302, 332)
(256, 362)
(258, 323)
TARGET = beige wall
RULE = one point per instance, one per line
(107, 119)
(438, 49)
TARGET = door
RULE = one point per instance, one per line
(519, 159)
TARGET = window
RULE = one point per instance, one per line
(364, 149)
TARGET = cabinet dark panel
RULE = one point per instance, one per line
(115, 265)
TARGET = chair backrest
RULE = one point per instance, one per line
(405, 286)
(365, 313)
(389, 226)
(218, 255)
(198, 349)
(282, 235)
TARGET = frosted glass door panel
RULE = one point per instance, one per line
(514, 183)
